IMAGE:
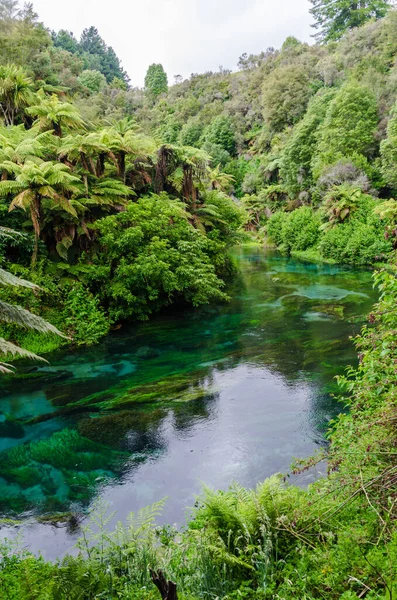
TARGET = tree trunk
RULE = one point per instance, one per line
(121, 165)
(100, 164)
(35, 216)
(166, 588)
(57, 129)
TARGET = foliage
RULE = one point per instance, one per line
(191, 132)
(150, 256)
(334, 17)
(298, 230)
(16, 92)
(220, 132)
(85, 321)
(300, 149)
(15, 314)
(95, 53)
(156, 81)
(286, 93)
(341, 202)
(388, 150)
(94, 81)
(349, 126)
(352, 231)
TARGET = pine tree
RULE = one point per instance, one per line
(334, 17)
(156, 81)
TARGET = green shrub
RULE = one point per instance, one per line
(297, 230)
(355, 243)
(221, 133)
(274, 227)
(150, 255)
(85, 321)
(301, 229)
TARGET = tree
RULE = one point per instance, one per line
(388, 150)
(296, 159)
(32, 184)
(150, 255)
(156, 81)
(191, 132)
(15, 314)
(334, 17)
(9, 10)
(349, 126)
(98, 56)
(16, 92)
(124, 141)
(221, 132)
(51, 113)
(286, 92)
(65, 40)
(94, 81)
(18, 145)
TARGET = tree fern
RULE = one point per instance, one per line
(10, 313)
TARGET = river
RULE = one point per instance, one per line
(214, 395)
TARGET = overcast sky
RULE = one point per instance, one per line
(186, 36)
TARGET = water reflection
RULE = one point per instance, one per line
(221, 393)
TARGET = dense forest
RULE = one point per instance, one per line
(117, 202)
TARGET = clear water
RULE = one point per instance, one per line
(230, 392)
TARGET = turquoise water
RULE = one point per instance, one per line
(230, 392)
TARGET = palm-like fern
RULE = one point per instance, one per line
(16, 92)
(34, 182)
(124, 142)
(10, 313)
(53, 114)
(387, 211)
(19, 145)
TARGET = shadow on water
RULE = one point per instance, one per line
(220, 393)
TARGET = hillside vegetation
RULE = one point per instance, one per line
(297, 147)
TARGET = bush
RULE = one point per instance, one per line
(150, 256)
(355, 243)
(85, 322)
(274, 227)
(298, 230)
(349, 126)
(94, 81)
(191, 133)
(286, 92)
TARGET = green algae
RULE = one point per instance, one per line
(54, 472)
(172, 389)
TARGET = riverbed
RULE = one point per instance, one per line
(223, 393)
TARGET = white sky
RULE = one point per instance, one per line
(186, 36)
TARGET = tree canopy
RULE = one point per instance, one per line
(334, 17)
(156, 81)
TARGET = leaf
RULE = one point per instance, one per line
(16, 314)
(10, 348)
(9, 279)
(63, 246)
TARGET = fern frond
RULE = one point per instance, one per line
(16, 314)
(10, 348)
(7, 278)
